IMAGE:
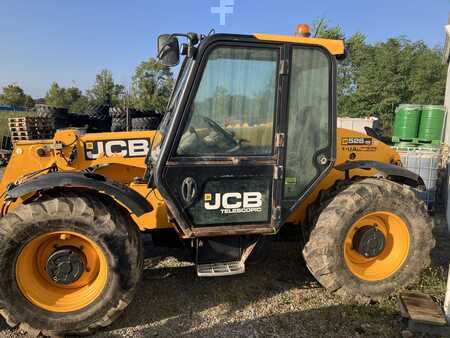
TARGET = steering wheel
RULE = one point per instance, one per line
(228, 138)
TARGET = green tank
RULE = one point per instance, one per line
(431, 123)
(406, 122)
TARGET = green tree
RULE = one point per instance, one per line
(56, 96)
(152, 85)
(375, 78)
(80, 105)
(105, 91)
(428, 77)
(28, 102)
(72, 95)
(62, 97)
(321, 29)
(14, 95)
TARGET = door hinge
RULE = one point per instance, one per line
(280, 140)
(284, 67)
(278, 172)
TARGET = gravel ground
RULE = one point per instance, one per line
(277, 298)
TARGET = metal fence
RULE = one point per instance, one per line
(11, 107)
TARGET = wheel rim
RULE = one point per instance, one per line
(38, 287)
(393, 254)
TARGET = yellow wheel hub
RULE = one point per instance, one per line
(39, 288)
(392, 254)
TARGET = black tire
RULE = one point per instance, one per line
(51, 112)
(77, 120)
(58, 117)
(117, 112)
(121, 113)
(145, 123)
(99, 119)
(100, 112)
(146, 113)
(99, 125)
(87, 215)
(119, 124)
(339, 210)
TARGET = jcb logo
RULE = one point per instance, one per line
(117, 148)
(234, 202)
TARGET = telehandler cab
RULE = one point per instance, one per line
(248, 144)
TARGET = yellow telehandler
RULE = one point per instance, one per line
(248, 145)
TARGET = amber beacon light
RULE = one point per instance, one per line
(303, 30)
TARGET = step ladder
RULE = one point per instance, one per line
(220, 269)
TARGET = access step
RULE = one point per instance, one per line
(220, 269)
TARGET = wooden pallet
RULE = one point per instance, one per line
(424, 315)
(396, 139)
(414, 140)
(31, 129)
(29, 138)
(30, 124)
(30, 133)
(33, 123)
(29, 119)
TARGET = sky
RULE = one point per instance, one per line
(71, 41)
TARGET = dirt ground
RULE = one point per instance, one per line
(277, 298)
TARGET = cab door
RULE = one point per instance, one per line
(310, 123)
(219, 164)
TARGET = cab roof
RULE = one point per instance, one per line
(335, 47)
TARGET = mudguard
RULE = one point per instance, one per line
(390, 171)
(136, 203)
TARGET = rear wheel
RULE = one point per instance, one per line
(370, 239)
(69, 265)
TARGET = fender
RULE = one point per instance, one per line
(122, 193)
(390, 171)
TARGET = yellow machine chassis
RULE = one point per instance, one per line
(32, 158)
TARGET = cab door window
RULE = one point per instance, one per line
(309, 110)
(234, 107)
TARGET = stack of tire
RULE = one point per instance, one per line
(77, 120)
(131, 119)
(99, 118)
(146, 120)
(58, 116)
(118, 118)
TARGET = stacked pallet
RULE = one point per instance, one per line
(30, 128)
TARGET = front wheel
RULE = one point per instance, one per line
(68, 265)
(370, 239)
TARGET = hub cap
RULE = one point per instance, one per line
(61, 271)
(368, 241)
(66, 265)
(376, 246)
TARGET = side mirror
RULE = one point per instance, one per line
(168, 50)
